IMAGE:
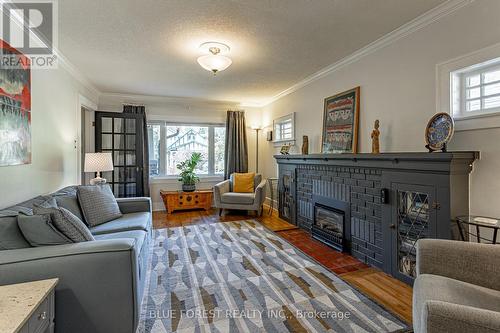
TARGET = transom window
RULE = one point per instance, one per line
(284, 128)
(172, 143)
(476, 90)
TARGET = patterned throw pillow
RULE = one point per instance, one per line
(67, 223)
(98, 204)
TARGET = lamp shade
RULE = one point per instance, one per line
(214, 63)
(98, 162)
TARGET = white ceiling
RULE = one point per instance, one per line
(150, 47)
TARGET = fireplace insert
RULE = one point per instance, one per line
(329, 226)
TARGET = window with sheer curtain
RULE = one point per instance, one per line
(172, 143)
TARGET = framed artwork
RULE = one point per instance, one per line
(340, 123)
(15, 107)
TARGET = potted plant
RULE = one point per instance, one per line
(187, 175)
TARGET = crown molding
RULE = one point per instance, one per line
(403, 31)
(76, 73)
(114, 98)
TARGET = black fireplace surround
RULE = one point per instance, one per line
(387, 201)
(330, 222)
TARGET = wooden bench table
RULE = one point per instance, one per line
(179, 200)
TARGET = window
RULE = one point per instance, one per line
(476, 90)
(170, 144)
(284, 128)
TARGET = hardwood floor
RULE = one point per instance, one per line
(393, 294)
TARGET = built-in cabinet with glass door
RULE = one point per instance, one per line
(419, 208)
(286, 193)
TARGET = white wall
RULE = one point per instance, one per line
(55, 105)
(398, 86)
(183, 110)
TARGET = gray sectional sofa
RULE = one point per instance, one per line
(101, 282)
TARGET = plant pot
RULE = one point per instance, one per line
(188, 187)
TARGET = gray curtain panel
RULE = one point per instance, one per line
(236, 159)
(141, 110)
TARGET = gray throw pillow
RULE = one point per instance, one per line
(70, 202)
(39, 230)
(67, 223)
(11, 237)
(98, 204)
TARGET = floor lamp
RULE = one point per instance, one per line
(256, 129)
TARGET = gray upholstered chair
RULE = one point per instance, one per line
(224, 198)
(457, 287)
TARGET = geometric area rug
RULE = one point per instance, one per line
(241, 277)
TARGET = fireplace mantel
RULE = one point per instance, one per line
(440, 162)
(393, 199)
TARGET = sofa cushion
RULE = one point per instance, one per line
(131, 221)
(98, 204)
(48, 202)
(70, 202)
(39, 230)
(67, 223)
(138, 235)
(238, 198)
(11, 237)
(15, 210)
(429, 287)
(66, 191)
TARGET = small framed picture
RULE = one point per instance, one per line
(285, 150)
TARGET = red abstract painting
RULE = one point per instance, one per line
(15, 106)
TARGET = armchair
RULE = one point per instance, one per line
(224, 198)
(457, 288)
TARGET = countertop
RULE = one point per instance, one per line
(19, 301)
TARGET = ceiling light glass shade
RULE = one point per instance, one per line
(214, 63)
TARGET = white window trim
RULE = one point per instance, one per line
(444, 96)
(290, 116)
(211, 175)
(462, 110)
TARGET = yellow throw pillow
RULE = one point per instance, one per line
(243, 182)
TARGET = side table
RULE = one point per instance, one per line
(28, 307)
(271, 182)
(478, 222)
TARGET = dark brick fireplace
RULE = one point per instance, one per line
(359, 191)
(368, 191)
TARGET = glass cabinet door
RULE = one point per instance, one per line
(286, 195)
(414, 219)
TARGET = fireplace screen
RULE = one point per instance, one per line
(329, 226)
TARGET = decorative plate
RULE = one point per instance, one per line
(439, 131)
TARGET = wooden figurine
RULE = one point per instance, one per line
(305, 145)
(375, 138)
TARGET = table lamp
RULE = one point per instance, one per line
(98, 162)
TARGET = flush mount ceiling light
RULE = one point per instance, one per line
(215, 61)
